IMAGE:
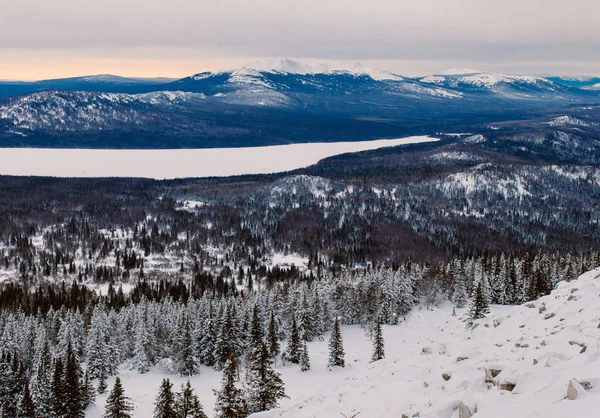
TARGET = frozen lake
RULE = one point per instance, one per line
(179, 163)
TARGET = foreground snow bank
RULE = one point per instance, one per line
(180, 163)
(521, 361)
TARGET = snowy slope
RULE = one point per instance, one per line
(538, 347)
(287, 66)
(508, 85)
(85, 110)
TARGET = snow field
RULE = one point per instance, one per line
(517, 362)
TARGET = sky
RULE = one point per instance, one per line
(175, 38)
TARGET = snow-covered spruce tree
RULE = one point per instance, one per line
(264, 386)
(58, 405)
(142, 346)
(206, 338)
(184, 350)
(98, 352)
(231, 401)
(272, 339)
(229, 342)
(293, 348)
(304, 358)
(164, 407)
(26, 405)
(72, 386)
(336, 346)
(378, 344)
(459, 297)
(479, 306)
(256, 333)
(118, 405)
(42, 383)
(187, 404)
(305, 319)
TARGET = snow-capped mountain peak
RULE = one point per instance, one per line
(287, 66)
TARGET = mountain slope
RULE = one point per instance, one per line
(272, 103)
(518, 362)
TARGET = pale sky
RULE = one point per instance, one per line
(174, 38)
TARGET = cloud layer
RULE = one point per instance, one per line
(484, 31)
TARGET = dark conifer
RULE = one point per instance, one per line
(73, 392)
(378, 344)
(479, 303)
(292, 351)
(272, 340)
(264, 385)
(231, 402)
(164, 406)
(58, 406)
(187, 404)
(336, 346)
(118, 405)
(304, 358)
(26, 405)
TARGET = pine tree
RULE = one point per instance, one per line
(98, 351)
(72, 392)
(304, 358)
(336, 346)
(272, 340)
(184, 352)
(207, 339)
(42, 383)
(479, 303)
(256, 329)
(229, 343)
(292, 351)
(142, 342)
(118, 405)
(460, 297)
(58, 406)
(378, 344)
(231, 402)
(264, 385)
(27, 407)
(306, 322)
(187, 404)
(164, 407)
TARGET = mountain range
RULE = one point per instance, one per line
(271, 102)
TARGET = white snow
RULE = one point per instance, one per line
(537, 346)
(179, 163)
(287, 260)
(567, 121)
(455, 77)
(287, 66)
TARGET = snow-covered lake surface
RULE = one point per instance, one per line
(179, 163)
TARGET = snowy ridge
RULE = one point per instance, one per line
(517, 362)
(287, 66)
(567, 121)
(490, 81)
(251, 72)
(75, 110)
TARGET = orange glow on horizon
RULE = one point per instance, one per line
(44, 67)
